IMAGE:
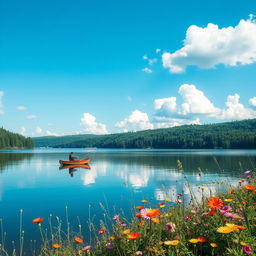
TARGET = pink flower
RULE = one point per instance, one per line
(249, 176)
(170, 227)
(179, 195)
(247, 249)
(193, 211)
(139, 253)
(225, 209)
(247, 172)
(110, 246)
(187, 217)
(116, 217)
(231, 215)
(86, 248)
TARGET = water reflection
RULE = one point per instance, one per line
(74, 168)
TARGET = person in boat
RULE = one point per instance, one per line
(72, 157)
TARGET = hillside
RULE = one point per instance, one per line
(237, 134)
(14, 140)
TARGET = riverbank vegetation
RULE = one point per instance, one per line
(211, 224)
(230, 135)
(14, 140)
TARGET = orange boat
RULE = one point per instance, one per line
(67, 166)
(76, 162)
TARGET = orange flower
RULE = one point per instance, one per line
(139, 207)
(141, 223)
(215, 203)
(56, 246)
(134, 236)
(101, 231)
(155, 220)
(194, 240)
(138, 215)
(249, 187)
(150, 213)
(201, 239)
(78, 240)
(37, 220)
(244, 203)
(162, 203)
(213, 245)
(144, 201)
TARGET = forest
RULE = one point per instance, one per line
(14, 140)
(229, 135)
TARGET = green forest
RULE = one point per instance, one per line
(229, 135)
(14, 140)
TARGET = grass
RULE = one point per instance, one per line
(224, 224)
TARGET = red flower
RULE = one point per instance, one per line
(101, 231)
(37, 220)
(212, 212)
(201, 239)
(138, 215)
(249, 187)
(134, 236)
(139, 207)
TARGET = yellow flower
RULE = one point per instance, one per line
(222, 181)
(167, 199)
(173, 242)
(160, 242)
(213, 245)
(228, 200)
(126, 231)
(194, 240)
(155, 220)
(225, 230)
(162, 206)
(112, 238)
(243, 243)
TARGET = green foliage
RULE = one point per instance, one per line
(233, 135)
(14, 140)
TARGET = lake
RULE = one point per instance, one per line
(32, 181)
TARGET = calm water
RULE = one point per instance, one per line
(31, 180)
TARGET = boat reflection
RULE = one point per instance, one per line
(73, 168)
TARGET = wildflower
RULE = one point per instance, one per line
(225, 209)
(187, 217)
(150, 213)
(222, 181)
(247, 249)
(228, 200)
(211, 213)
(111, 238)
(201, 239)
(101, 231)
(37, 220)
(247, 172)
(116, 217)
(229, 228)
(170, 227)
(244, 203)
(144, 201)
(167, 199)
(173, 242)
(126, 231)
(141, 223)
(249, 187)
(213, 245)
(161, 203)
(110, 246)
(232, 192)
(194, 240)
(134, 236)
(193, 211)
(162, 206)
(249, 176)
(179, 201)
(215, 203)
(86, 248)
(78, 240)
(180, 195)
(138, 215)
(124, 225)
(139, 207)
(231, 215)
(243, 243)
(139, 253)
(56, 246)
(155, 220)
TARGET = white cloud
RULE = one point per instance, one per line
(1, 102)
(21, 108)
(209, 46)
(152, 61)
(23, 131)
(49, 133)
(90, 125)
(147, 70)
(252, 102)
(39, 130)
(158, 50)
(145, 57)
(195, 105)
(135, 122)
(236, 110)
(31, 117)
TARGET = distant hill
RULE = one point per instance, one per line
(14, 140)
(233, 135)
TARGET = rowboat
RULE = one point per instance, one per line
(73, 166)
(76, 162)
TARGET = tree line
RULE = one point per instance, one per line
(14, 140)
(229, 135)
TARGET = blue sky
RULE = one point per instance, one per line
(70, 67)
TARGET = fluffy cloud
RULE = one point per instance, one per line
(90, 125)
(31, 117)
(21, 108)
(195, 105)
(236, 110)
(49, 133)
(135, 122)
(252, 102)
(1, 102)
(209, 46)
(147, 70)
